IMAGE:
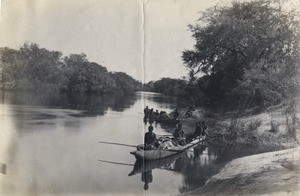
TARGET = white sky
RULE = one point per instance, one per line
(109, 32)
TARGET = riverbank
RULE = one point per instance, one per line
(273, 173)
(276, 127)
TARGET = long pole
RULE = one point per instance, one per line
(117, 163)
(114, 143)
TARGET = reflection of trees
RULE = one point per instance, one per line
(161, 99)
(93, 104)
(98, 105)
(199, 166)
(196, 167)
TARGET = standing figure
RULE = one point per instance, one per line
(146, 113)
(151, 116)
(156, 114)
(175, 114)
(200, 130)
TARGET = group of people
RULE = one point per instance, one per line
(179, 137)
(152, 115)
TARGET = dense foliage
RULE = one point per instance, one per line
(249, 53)
(245, 55)
(167, 86)
(35, 68)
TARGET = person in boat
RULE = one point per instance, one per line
(176, 114)
(163, 115)
(146, 113)
(190, 111)
(151, 116)
(156, 114)
(200, 130)
(179, 135)
(150, 141)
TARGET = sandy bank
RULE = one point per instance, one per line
(273, 173)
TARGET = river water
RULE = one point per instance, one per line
(50, 145)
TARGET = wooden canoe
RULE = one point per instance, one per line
(156, 154)
(166, 120)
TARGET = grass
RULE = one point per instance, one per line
(276, 126)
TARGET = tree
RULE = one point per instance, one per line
(230, 41)
(85, 76)
(35, 68)
(39, 65)
(10, 65)
(125, 83)
(170, 86)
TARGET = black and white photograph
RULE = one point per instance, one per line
(149, 97)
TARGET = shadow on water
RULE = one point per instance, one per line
(145, 168)
(196, 165)
(92, 104)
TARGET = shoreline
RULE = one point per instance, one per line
(275, 173)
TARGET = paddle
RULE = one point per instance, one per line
(114, 143)
(117, 163)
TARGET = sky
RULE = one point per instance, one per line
(143, 38)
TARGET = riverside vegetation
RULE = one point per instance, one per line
(245, 63)
(34, 68)
(243, 73)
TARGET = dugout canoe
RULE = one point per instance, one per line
(157, 154)
(167, 120)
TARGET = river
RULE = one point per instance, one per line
(50, 144)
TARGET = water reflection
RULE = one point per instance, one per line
(92, 104)
(52, 147)
(196, 165)
(145, 168)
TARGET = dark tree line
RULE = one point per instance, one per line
(35, 68)
(167, 86)
(248, 55)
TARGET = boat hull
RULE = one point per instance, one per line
(156, 154)
(166, 121)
